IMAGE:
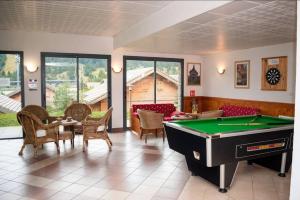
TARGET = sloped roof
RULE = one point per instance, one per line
(99, 92)
(8, 105)
(18, 91)
(138, 74)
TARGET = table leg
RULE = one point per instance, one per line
(222, 179)
(283, 163)
(73, 135)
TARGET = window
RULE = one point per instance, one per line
(11, 93)
(152, 80)
(83, 78)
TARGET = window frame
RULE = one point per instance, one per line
(77, 56)
(154, 59)
(21, 53)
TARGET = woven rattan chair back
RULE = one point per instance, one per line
(151, 122)
(78, 111)
(38, 111)
(150, 119)
(28, 124)
(107, 117)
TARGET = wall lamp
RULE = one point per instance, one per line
(31, 67)
(117, 68)
(221, 70)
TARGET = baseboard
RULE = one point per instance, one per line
(118, 130)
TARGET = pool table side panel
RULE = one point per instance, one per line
(224, 150)
(274, 162)
(186, 144)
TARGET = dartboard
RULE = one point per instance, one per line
(273, 76)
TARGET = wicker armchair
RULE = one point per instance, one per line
(36, 132)
(151, 122)
(40, 112)
(96, 128)
(78, 112)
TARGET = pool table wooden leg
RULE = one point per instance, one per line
(283, 163)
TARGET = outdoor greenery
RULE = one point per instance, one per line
(3, 58)
(171, 68)
(62, 97)
(62, 78)
(8, 119)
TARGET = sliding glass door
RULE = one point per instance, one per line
(151, 80)
(11, 93)
(83, 78)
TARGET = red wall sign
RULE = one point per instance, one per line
(192, 93)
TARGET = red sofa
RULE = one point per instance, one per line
(234, 110)
(168, 109)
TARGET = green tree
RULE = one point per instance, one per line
(3, 58)
(62, 97)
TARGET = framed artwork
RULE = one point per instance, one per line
(242, 74)
(274, 73)
(193, 73)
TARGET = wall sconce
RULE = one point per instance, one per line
(117, 68)
(31, 67)
(221, 70)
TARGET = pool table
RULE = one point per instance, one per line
(213, 147)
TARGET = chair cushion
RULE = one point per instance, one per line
(41, 133)
(61, 129)
(100, 128)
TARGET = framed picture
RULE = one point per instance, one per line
(194, 73)
(242, 74)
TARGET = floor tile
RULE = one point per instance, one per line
(133, 170)
(94, 192)
(75, 188)
(62, 196)
(115, 194)
(9, 196)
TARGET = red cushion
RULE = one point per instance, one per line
(232, 110)
(166, 109)
(167, 119)
(177, 113)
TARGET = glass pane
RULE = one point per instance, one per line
(61, 84)
(168, 83)
(140, 83)
(93, 84)
(10, 95)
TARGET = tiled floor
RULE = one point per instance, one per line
(132, 171)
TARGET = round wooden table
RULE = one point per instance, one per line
(69, 125)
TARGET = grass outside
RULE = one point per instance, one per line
(8, 119)
(61, 113)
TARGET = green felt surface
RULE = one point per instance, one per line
(213, 126)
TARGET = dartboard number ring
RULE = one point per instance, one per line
(273, 76)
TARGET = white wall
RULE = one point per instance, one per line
(217, 85)
(32, 43)
(295, 176)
